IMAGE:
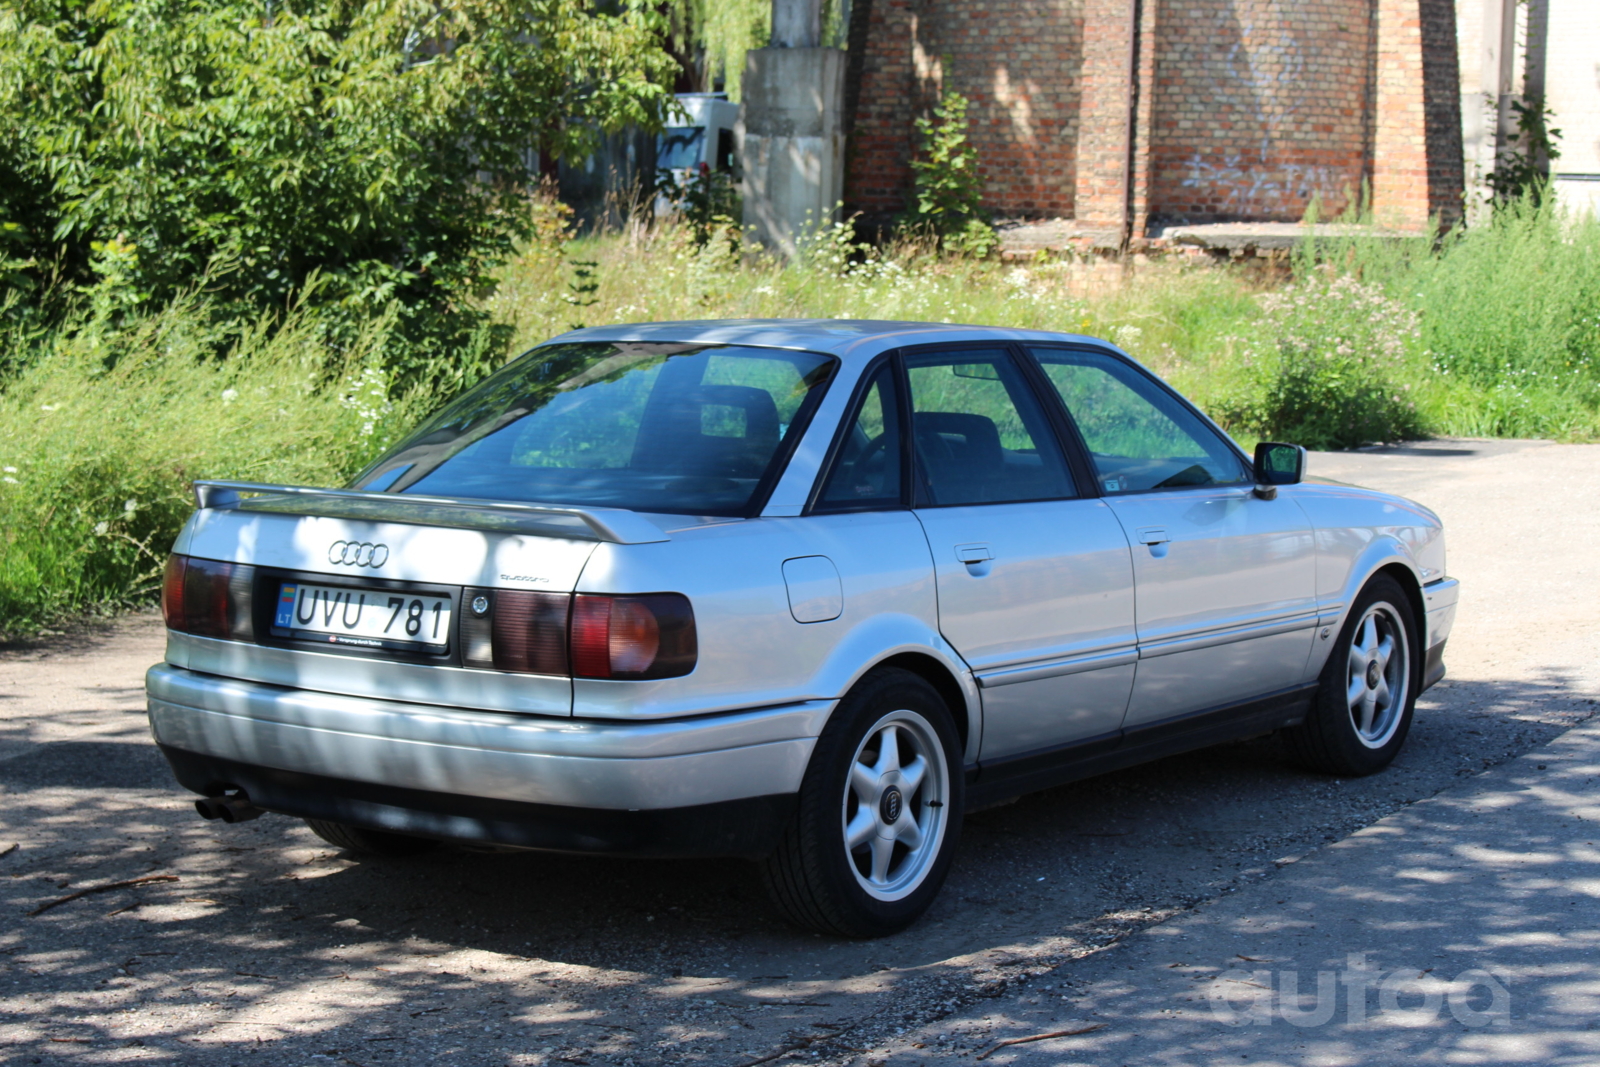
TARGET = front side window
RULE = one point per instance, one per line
(980, 435)
(1139, 436)
(690, 429)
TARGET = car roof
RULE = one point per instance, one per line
(846, 338)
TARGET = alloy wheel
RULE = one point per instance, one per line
(894, 805)
(1378, 678)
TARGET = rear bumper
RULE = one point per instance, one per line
(747, 827)
(485, 776)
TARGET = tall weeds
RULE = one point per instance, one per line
(104, 431)
(1509, 319)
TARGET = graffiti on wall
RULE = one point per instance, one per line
(1275, 83)
(1237, 186)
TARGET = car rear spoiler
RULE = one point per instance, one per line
(616, 525)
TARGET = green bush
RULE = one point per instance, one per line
(1511, 323)
(102, 435)
(1327, 368)
(1509, 313)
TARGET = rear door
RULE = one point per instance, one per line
(1226, 580)
(1035, 584)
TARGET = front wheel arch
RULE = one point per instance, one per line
(1407, 580)
(1330, 739)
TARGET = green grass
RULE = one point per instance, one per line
(1180, 318)
(104, 426)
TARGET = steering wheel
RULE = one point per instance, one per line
(870, 454)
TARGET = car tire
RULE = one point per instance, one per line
(1362, 711)
(886, 775)
(364, 842)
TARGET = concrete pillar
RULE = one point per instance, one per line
(1486, 32)
(791, 135)
(796, 24)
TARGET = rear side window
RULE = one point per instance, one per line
(689, 429)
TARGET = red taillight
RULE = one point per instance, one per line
(633, 637)
(208, 598)
(585, 636)
(172, 592)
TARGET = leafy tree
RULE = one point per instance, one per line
(716, 34)
(381, 148)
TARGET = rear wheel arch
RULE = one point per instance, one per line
(936, 674)
(861, 795)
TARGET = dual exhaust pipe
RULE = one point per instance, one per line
(230, 808)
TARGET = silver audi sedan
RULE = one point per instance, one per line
(803, 591)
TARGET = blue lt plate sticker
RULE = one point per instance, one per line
(285, 616)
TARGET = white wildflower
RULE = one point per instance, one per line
(9, 470)
(100, 528)
(10, 480)
(130, 506)
(230, 395)
(49, 407)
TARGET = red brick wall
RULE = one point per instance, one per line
(1259, 106)
(1245, 109)
(1016, 61)
(877, 171)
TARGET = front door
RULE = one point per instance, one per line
(1226, 581)
(1035, 584)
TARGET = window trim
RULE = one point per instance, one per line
(762, 494)
(1246, 463)
(1030, 381)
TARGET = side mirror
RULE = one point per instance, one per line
(1278, 464)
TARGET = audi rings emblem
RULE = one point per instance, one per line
(358, 554)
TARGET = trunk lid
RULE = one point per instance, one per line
(382, 548)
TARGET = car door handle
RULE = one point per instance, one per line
(973, 553)
(1153, 535)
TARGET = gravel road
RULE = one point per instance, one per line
(261, 945)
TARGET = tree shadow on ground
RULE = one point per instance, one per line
(274, 946)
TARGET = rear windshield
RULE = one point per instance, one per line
(692, 429)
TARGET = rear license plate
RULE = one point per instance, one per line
(365, 618)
